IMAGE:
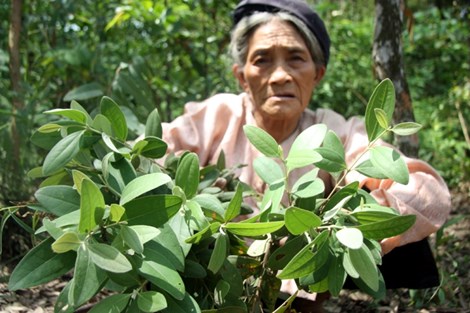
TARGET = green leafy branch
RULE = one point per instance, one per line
(171, 237)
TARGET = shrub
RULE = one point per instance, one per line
(171, 237)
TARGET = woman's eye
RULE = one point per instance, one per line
(297, 58)
(260, 60)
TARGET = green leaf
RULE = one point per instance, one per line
(110, 143)
(387, 228)
(273, 195)
(187, 174)
(153, 210)
(78, 177)
(383, 98)
(197, 219)
(40, 265)
(221, 290)
(375, 249)
(68, 241)
(234, 205)
(91, 206)
(336, 276)
(102, 124)
(49, 128)
(72, 114)
(151, 301)
(117, 171)
(262, 141)
(230, 273)
(143, 184)
(332, 161)
(219, 254)
(300, 158)
(188, 304)
(334, 211)
(87, 278)
(166, 245)
(370, 215)
(268, 169)
(66, 220)
(153, 126)
(332, 153)
(108, 258)
(282, 255)
(193, 269)
(145, 233)
(364, 264)
(76, 106)
(390, 163)
(116, 212)
(310, 138)
(350, 237)
(84, 92)
(111, 110)
(62, 153)
(46, 140)
(112, 304)
(164, 277)
(406, 128)
(378, 294)
(132, 239)
(151, 147)
(299, 220)
(245, 265)
(212, 205)
(381, 117)
(320, 286)
(306, 261)
(300, 265)
(50, 226)
(205, 233)
(348, 266)
(253, 229)
(258, 247)
(366, 168)
(62, 302)
(58, 200)
(346, 191)
(309, 185)
(332, 141)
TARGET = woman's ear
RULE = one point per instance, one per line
(238, 73)
(320, 74)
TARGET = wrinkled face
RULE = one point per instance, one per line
(279, 73)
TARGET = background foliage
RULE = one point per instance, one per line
(166, 53)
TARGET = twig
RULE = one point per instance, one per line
(462, 123)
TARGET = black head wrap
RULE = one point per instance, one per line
(298, 8)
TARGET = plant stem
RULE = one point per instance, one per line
(351, 168)
(257, 296)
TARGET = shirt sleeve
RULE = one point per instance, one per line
(202, 126)
(426, 195)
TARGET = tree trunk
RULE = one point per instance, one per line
(387, 57)
(14, 50)
(14, 163)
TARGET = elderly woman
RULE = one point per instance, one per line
(281, 50)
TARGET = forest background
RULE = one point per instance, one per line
(164, 53)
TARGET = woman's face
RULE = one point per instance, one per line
(279, 73)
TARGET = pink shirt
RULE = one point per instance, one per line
(216, 124)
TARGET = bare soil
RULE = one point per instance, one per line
(452, 252)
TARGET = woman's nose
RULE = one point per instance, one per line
(280, 74)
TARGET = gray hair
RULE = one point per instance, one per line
(247, 26)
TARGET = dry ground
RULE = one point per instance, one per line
(452, 254)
